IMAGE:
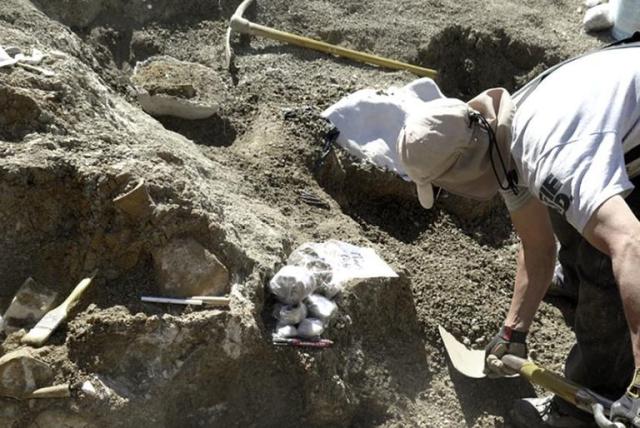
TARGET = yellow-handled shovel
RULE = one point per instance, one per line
(471, 363)
(244, 26)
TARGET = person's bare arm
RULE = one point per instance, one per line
(614, 230)
(536, 261)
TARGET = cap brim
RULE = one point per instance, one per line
(425, 195)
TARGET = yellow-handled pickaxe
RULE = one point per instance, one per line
(244, 26)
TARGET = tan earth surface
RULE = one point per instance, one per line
(229, 186)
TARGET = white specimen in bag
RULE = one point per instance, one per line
(290, 314)
(320, 268)
(321, 308)
(310, 327)
(346, 261)
(325, 283)
(292, 284)
(283, 330)
(598, 18)
(370, 120)
(307, 257)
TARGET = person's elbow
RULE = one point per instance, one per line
(541, 245)
(538, 256)
(614, 230)
(625, 248)
(542, 253)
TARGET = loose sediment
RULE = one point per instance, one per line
(229, 185)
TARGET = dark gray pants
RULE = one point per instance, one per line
(602, 358)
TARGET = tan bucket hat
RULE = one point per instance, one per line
(445, 145)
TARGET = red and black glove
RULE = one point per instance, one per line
(507, 341)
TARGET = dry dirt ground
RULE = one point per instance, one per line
(71, 143)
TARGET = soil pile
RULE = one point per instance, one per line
(228, 186)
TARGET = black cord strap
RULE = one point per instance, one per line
(329, 138)
(511, 176)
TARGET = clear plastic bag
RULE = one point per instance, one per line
(310, 327)
(316, 272)
(290, 314)
(321, 308)
(333, 263)
(283, 330)
(306, 256)
(292, 284)
(301, 255)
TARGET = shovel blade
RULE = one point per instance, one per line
(469, 362)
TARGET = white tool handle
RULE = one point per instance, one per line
(77, 292)
(171, 300)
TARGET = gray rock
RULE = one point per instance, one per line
(21, 373)
(9, 413)
(185, 268)
(76, 13)
(59, 419)
(83, 13)
(168, 87)
(30, 303)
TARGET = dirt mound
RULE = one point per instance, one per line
(72, 144)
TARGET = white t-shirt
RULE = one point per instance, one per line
(568, 134)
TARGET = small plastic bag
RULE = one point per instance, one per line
(292, 284)
(329, 289)
(321, 308)
(306, 256)
(326, 284)
(290, 314)
(302, 255)
(283, 330)
(310, 327)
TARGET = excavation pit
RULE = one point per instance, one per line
(483, 60)
(162, 366)
(214, 131)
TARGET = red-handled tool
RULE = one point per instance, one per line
(320, 343)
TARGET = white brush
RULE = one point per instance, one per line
(152, 299)
(41, 332)
(207, 301)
